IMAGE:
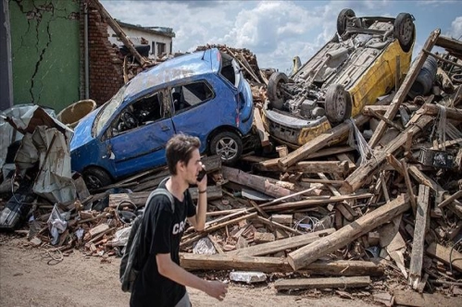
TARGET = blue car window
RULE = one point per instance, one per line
(190, 95)
(142, 112)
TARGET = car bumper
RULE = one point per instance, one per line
(291, 130)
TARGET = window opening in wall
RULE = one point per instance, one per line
(160, 49)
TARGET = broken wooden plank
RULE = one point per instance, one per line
(422, 220)
(361, 175)
(450, 199)
(261, 131)
(196, 236)
(447, 255)
(320, 283)
(341, 167)
(282, 244)
(259, 183)
(315, 201)
(319, 142)
(191, 262)
(451, 113)
(285, 219)
(272, 223)
(98, 229)
(408, 183)
(386, 120)
(308, 254)
(404, 88)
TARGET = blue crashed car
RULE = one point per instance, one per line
(202, 94)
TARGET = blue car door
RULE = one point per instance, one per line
(201, 106)
(142, 131)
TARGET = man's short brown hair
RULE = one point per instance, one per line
(180, 148)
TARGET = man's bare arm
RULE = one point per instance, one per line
(172, 271)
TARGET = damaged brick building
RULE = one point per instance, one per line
(54, 53)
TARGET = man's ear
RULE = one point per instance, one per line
(180, 166)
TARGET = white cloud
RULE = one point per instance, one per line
(456, 28)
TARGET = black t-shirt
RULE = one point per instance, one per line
(163, 237)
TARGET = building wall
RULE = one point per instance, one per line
(6, 87)
(106, 74)
(45, 52)
(135, 37)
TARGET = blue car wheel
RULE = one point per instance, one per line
(228, 145)
(96, 178)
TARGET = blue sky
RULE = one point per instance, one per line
(276, 31)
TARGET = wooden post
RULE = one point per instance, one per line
(415, 269)
(306, 255)
(404, 88)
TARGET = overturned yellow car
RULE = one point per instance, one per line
(353, 69)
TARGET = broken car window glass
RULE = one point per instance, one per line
(190, 95)
(107, 111)
(230, 69)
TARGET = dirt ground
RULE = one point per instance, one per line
(27, 280)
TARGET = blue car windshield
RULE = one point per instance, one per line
(108, 110)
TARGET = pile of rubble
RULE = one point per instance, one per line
(323, 209)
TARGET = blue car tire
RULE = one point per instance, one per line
(228, 145)
(96, 178)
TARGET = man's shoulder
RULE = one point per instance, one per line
(161, 199)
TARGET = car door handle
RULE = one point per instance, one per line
(165, 128)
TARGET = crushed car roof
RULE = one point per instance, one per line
(178, 68)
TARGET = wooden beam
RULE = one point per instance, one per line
(313, 167)
(407, 180)
(186, 240)
(361, 175)
(313, 202)
(447, 255)
(272, 164)
(272, 223)
(192, 262)
(450, 199)
(319, 142)
(308, 254)
(282, 244)
(421, 222)
(261, 131)
(384, 108)
(259, 183)
(451, 113)
(386, 120)
(320, 283)
(404, 88)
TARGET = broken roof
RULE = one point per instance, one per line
(168, 32)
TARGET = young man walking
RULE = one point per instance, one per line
(161, 281)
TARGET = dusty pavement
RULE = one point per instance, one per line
(26, 280)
